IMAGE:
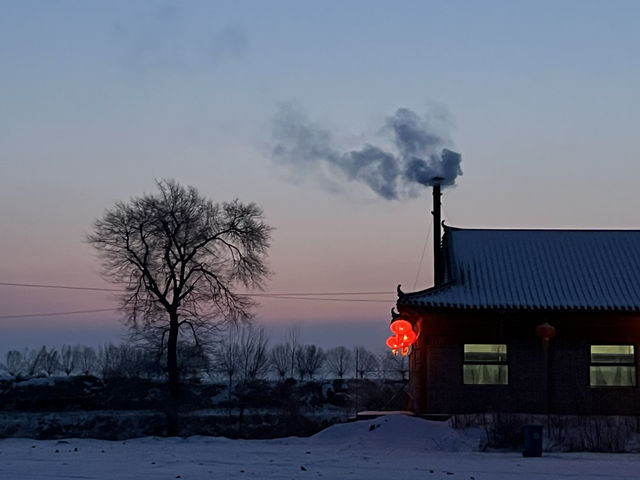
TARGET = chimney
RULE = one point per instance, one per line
(438, 264)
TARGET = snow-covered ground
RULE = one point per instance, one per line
(390, 447)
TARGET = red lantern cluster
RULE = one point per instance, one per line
(546, 332)
(402, 338)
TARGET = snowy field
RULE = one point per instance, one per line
(391, 447)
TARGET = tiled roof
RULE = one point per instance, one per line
(537, 270)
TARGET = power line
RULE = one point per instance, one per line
(282, 297)
(264, 294)
(309, 296)
(286, 297)
(64, 287)
(53, 314)
(424, 249)
(449, 219)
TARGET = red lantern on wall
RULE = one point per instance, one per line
(546, 332)
(402, 338)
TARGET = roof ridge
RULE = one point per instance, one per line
(507, 229)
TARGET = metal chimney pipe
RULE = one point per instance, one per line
(438, 263)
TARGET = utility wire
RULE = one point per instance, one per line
(266, 294)
(446, 214)
(283, 297)
(300, 294)
(64, 287)
(309, 296)
(287, 297)
(53, 314)
(424, 249)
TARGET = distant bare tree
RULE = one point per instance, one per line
(254, 362)
(180, 259)
(396, 365)
(129, 361)
(14, 362)
(315, 359)
(293, 344)
(109, 361)
(280, 360)
(68, 359)
(227, 358)
(49, 360)
(124, 361)
(33, 362)
(366, 362)
(86, 360)
(339, 361)
(309, 360)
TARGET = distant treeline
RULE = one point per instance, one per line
(241, 355)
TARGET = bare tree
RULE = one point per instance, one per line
(49, 360)
(108, 361)
(366, 362)
(227, 358)
(253, 352)
(130, 361)
(280, 360)
(68, 359)
(14, 362)
(33, 362)
(180, 258)
(87, 360)
(339, 361)
(397, 365)
(293, 344)
(315, 359)
(309, 360)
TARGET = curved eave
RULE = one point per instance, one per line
(449, 306)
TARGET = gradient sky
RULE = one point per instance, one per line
(98, 99)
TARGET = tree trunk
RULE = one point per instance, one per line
(174, 377)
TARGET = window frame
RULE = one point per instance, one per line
(633, 363)
(499, 363)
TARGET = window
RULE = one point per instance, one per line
(612, 366)
(485, 364)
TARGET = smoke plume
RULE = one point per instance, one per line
(418, 156)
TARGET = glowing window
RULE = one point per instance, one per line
(485, 364)
(612, 366)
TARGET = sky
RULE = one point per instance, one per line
(98, 100)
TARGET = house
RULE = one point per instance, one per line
(528, 321)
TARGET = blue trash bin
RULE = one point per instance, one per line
(532, 440)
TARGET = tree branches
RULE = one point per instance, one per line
(176, 251)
